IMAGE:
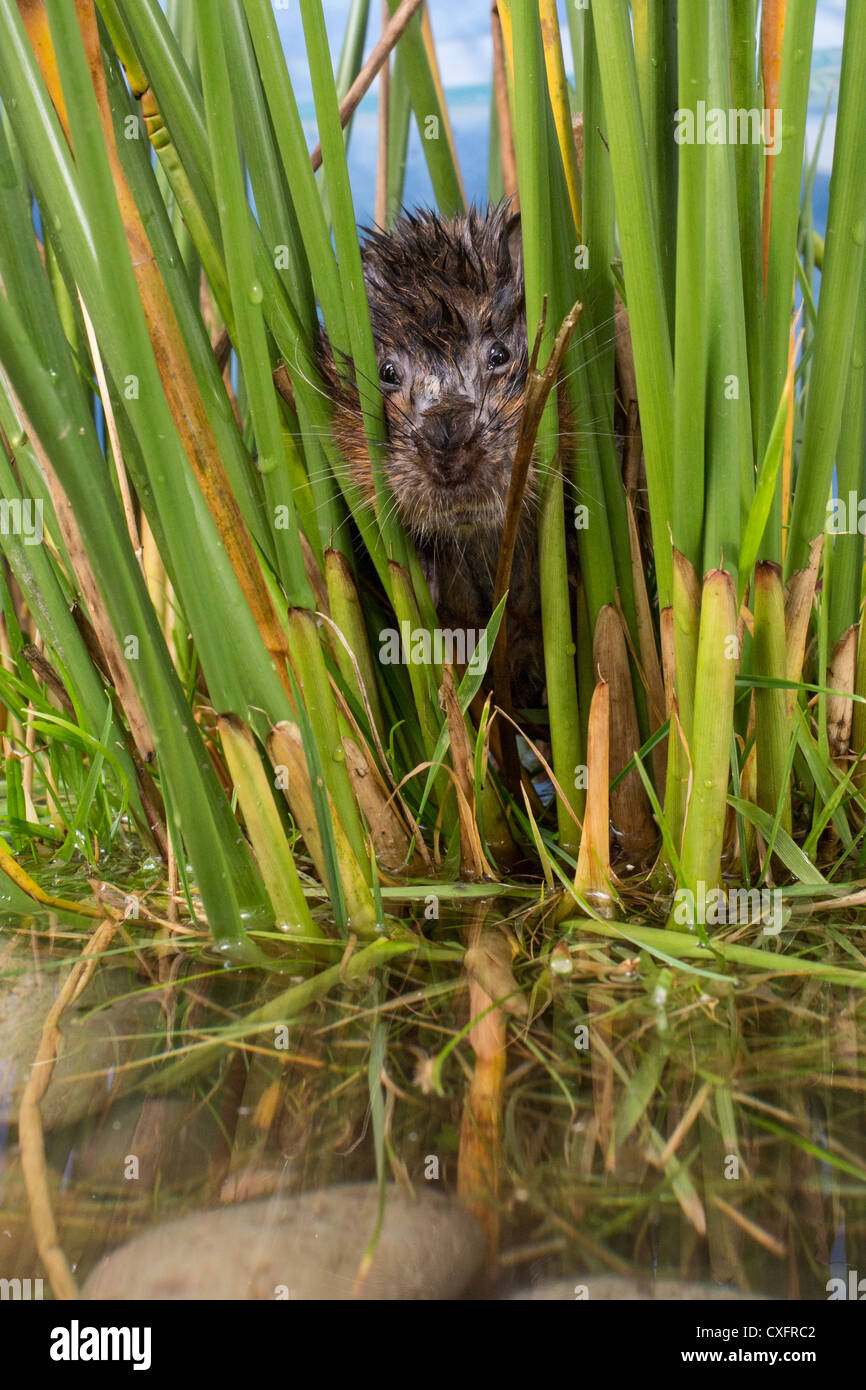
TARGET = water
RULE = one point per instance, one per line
(635, 1120)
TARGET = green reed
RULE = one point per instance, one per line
(257, 525)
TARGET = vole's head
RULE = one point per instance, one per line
(449, 324)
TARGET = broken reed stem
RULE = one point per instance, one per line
(538, 388)
(592, 876)
(480, 1153)
(30, 1134)
(396, 26)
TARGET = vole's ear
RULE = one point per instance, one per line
(515, 241)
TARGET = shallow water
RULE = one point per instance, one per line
(637, 1120)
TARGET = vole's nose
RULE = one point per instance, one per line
(447, 428)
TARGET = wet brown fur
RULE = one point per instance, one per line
(442, 293)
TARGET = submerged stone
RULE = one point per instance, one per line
(94, 1047)
(301, 1248)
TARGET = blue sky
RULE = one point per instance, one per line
(462, 33)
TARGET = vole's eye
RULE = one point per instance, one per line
(388, 374)
(498, 357)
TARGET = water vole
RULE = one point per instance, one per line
(449, 324)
